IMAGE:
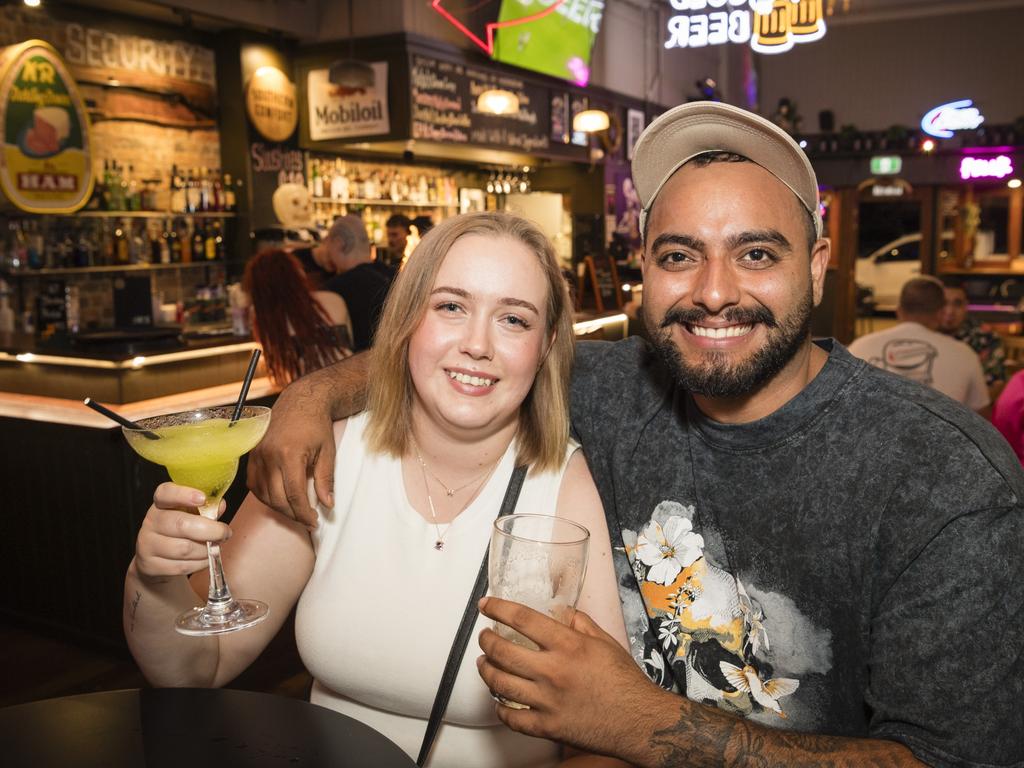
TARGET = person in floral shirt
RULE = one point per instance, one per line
(957, 323)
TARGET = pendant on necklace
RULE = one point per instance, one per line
(450, 491)
(438, 545)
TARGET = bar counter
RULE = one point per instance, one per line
(120, 369)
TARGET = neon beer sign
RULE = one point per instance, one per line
(768, 26)
(986, 167)
(955, 116)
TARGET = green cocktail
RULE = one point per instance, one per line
(200, 449)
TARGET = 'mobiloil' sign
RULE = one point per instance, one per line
(44, 131)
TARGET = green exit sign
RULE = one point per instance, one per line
(886, 165)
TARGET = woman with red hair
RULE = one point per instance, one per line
(300, 329)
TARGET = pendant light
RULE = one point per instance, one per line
(351, 74)
(497, 101)
(591, 121)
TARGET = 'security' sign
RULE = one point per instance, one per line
(768, 26)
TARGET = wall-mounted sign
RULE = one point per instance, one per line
(341, 112)
(106, 50)
(768, 26)
(44, 130)
(986, 167)
(954, 116)
(887, 190)
(271, 104)
(886, 165)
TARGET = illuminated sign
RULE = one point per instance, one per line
(271, 104)
(768, 26)
(986, 168)
(954, 116)
(887, 190)
(886, 165)
(45, 166)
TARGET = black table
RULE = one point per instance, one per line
(188, 728)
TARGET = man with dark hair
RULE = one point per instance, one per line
(397, 229)
(916, 350)
(818, 563)
(957, 323)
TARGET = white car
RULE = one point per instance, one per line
(885, 270)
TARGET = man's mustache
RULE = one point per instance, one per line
(734, 315)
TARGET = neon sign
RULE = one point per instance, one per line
(955, 116)
(986, 168)
(769, 26)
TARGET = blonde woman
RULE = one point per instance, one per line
(469, 378)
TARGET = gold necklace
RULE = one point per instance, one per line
(439, 541)
(448, 491)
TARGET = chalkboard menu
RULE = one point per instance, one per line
(444, 95)
(51, 308)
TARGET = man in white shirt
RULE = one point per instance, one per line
(916, 350)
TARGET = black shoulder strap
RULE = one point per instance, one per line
(451, 667)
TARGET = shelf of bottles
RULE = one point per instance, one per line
(129, 223)
(66, 245)
(375, 191)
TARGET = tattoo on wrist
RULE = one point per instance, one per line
(704, 735)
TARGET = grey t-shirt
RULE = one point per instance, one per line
(852, 564)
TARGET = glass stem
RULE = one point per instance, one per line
(218, 600)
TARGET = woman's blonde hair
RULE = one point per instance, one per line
(544, 414)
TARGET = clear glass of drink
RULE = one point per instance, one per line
(200, 449)
(539, 561)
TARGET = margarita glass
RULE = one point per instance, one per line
(200, 449)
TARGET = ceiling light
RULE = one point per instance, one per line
(1013, 183)
(591, 121)
(33, 3)
(497, 101)
(927, 145)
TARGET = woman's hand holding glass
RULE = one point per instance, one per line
(172, 540)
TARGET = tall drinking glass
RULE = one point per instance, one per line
(200, 449)
(539, 561)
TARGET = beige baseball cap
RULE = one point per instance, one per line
(688, 130)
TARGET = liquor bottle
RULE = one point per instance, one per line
(230, 200)
(318, 180)
(210, 242)
(120, 244)
(173, 242)
(163, 245)
(177, 191)
(192, 191)
(133, 199)
(186, 243)
(220, 244)
(106, 200)
(122, 187)
(216, 192)
(198, 241)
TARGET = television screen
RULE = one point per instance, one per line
(554, 39)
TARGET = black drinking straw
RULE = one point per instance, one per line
(119, 418)
(245, 386)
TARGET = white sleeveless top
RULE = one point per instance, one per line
(377, 618)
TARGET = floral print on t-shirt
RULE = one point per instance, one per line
(709, 635)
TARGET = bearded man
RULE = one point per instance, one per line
(819, 562)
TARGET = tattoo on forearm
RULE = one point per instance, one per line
(134, 608)
(705, 736)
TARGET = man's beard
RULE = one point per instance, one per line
(714, 376)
